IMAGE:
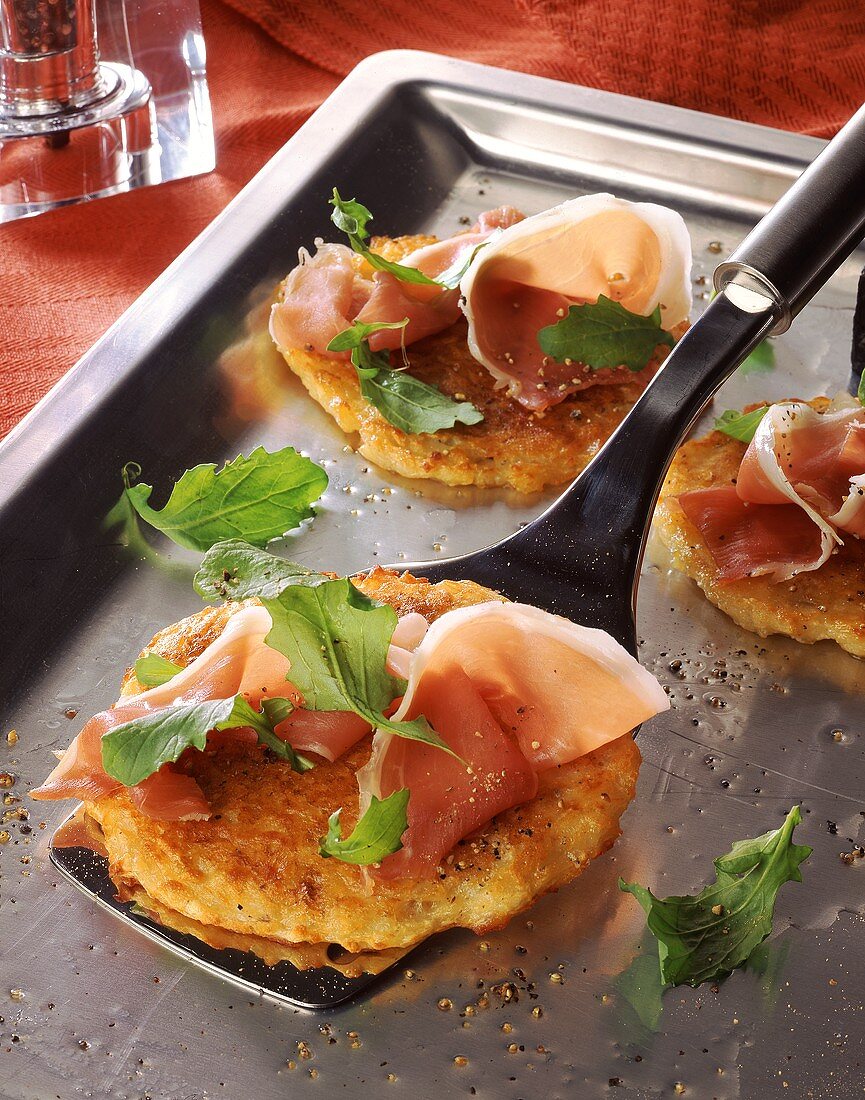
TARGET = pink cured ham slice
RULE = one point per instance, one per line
(170, 795)
(798, 453)
(539, 690)
(429, 309)
(747, 540)
(561, 690)
(320, 296)
(237, 663)
(800, 486)
(326, 733)
(79, 773)
(326, 294)
(167, 795)
(638, 254)
(447, 799)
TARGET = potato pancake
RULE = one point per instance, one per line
(253, 869)
(510, 447)
(828, 602)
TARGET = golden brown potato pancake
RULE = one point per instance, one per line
(510, 447)
(253, 868)
(305, 956)
(826, 603)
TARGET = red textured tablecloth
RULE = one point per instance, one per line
(65, 276)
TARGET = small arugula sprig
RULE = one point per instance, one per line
(257, 498)
(335, 637)
(264, 722)
(404, 401)
(234, 570)
(355, 339)
(351, 217)
(136, 749)
(707, 936)
(860, 393)
(741, 425)
(154, 671)
(604, 334)
(377, 834)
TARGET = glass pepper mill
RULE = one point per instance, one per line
(81, 116)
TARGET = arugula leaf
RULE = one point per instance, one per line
(760, 361)
(366, 362)
(605, 334)
(273, 711)
(153, 671)
(256, 498)
(122, 514)
(351, 217)
(404, 401)
(336, 639)
(360, 332)
(317, 628)
(860, 393)
(400, 271)
(741, 426)
(414, 406)
(136, 749)
(705, 937)
(377, 834)
(234, 570)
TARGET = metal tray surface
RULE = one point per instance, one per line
(187, 375)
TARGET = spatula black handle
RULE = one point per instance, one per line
(811, 230)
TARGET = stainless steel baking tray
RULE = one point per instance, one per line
(187, 376)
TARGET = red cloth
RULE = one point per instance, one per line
(65, 276)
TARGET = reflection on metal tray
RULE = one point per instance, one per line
(187, 376)
(322, 987)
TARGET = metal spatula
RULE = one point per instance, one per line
(581, 558)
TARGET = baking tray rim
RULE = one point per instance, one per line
(48, 426)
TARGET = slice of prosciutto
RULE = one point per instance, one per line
(800, 486)
(447, 799)
(638, 254)
(327, 292)
(512, 690)
(238, 662)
